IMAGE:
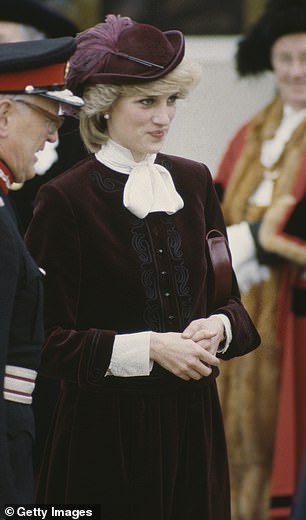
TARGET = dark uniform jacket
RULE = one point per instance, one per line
(21, 337)
(115, 440)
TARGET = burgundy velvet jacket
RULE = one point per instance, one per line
(130, 442)
(109, 272)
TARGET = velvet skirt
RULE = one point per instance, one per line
(146, 448)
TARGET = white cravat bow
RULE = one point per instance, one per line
(271, 151)
(273, 148)
(149, 187)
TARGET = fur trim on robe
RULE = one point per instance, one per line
(253, 389)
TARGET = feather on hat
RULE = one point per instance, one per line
(121, 51)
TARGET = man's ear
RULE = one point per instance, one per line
(6, 110)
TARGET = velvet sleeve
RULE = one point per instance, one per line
(245, 336)
(70, 353)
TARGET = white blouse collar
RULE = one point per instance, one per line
(149, 188)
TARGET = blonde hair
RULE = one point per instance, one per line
(99, 98)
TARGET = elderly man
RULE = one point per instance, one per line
(23, 20)
(32, 97)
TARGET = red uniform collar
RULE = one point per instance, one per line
(6, 178)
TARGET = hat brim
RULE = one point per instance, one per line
(176, 39)
(64, 97)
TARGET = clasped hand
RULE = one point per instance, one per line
(192, 353)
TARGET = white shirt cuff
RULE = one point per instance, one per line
(131, 355)
(228, 333)
(241, 244)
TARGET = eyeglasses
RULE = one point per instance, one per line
(54, 122)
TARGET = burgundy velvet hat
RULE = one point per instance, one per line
(280, 17)
(122, 51)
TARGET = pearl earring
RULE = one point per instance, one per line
(106, 116)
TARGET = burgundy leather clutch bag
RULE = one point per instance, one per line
(221, 266)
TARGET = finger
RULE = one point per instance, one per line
(208, 358)
(198, 372)
(195, 375)
(189, 332)
(195, 372)
(208, 345)
(204, 370)
(203, 334)
(213, 349)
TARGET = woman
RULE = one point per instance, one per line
(131, 328)
(262, 181)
